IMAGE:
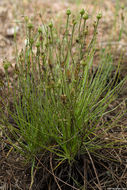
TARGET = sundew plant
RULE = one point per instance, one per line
(60, 97)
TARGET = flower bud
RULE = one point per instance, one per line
(85, 16)
(99, 16)
(94, 24)
(82, 12)
(63, 98)
(122, 17)
(31, 41)
(30, 25)
(6, 66)
(38, 44)
(39, 30)
(83, 63)
(86, 31)
(26, 19)
(68, 12)
(122, 6)
(74, 22)
(72, 92)
(50, 25)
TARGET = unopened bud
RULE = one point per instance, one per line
(94, 24)
(30, 25)
(40, 30)
(50, 25)
(74, 22)
(99, 16)
(82, 12)
(38, 44)
(68, 12)
(85, 16)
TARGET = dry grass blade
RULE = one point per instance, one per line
(55, 176)
(99, 185)
(85, 174)
(53, 172)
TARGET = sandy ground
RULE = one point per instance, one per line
(12, 15)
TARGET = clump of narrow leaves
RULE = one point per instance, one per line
(59, 97)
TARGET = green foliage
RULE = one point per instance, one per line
(59, 97)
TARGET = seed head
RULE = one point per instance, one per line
(63, 98)
(122, 17)
(68, 12)
(51, 83)
(74, 22)
(99, 16)
(86, 30)
(69, 75)
(83, 63)
(26, 19)
(31, 41)
(6, 66)
(39, 30)
(50, 25)
(122, 6)
(82, 12)
(72, 92)
(59, 83)
(85, 16)
(30, 25)
(38, 44)
(95, 24)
